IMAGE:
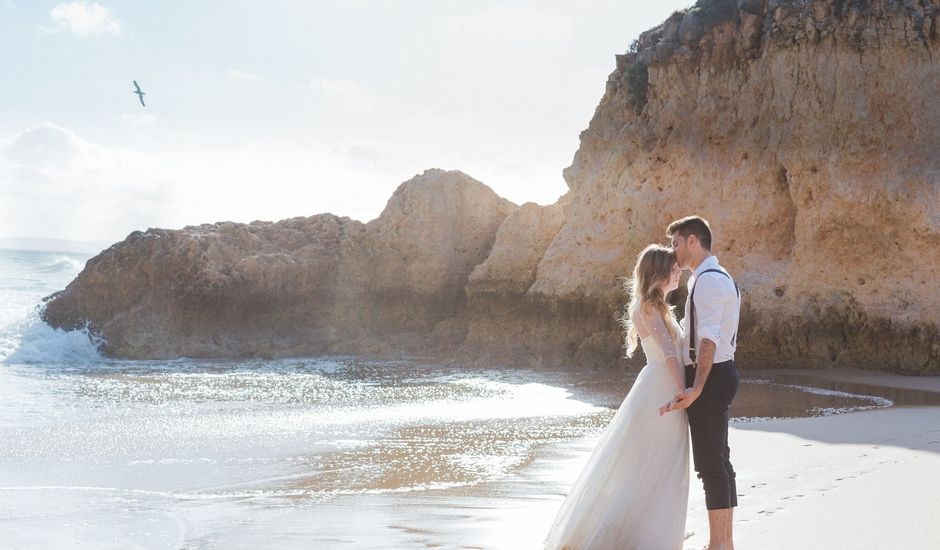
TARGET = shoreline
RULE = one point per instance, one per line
(860, 480)
(901, 381)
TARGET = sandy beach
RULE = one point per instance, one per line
(863, 480)
(860, 480)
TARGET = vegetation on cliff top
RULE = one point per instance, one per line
(712, 12)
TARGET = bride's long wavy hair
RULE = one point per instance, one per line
(653, 268)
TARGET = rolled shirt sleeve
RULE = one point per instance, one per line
(709, 305)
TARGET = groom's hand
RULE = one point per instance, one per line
(685, 398)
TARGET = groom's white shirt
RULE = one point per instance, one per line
(717, 307)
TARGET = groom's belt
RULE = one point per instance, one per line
(729, 362)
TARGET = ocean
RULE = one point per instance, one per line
(312, 452)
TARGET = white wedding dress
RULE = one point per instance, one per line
(634, 490)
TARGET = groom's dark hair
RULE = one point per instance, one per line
(692, 225)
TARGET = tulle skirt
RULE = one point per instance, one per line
(634, 490)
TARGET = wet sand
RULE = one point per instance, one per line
(864, 480)
(859, 480)
(349, 455)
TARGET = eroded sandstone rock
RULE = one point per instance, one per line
(320, 284)
(809, 137)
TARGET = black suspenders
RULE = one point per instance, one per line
(692, 311)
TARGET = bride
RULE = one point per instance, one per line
(634, 489)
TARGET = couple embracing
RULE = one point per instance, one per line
(633, 492)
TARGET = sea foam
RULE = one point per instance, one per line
(31, 340)
(60, 262)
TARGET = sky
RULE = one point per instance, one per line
(265, 110)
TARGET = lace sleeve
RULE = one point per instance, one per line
(653, 322)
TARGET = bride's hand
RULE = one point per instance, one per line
(667, 407)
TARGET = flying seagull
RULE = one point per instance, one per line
(140, 94)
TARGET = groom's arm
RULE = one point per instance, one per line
(706, 357)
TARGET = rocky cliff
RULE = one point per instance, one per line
(807, 132)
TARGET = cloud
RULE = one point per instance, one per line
(139, 119)
(55, 160)
(56, 184)
(239, 75)
(343, 93)
(273, 180)
(510, 25)
(43, 147)
(369, 159)
(84, 19)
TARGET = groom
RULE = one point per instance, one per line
(709, 332)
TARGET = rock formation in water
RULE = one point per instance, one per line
(807, 132)
(321, 284)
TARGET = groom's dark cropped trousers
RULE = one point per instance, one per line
(708, 424)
